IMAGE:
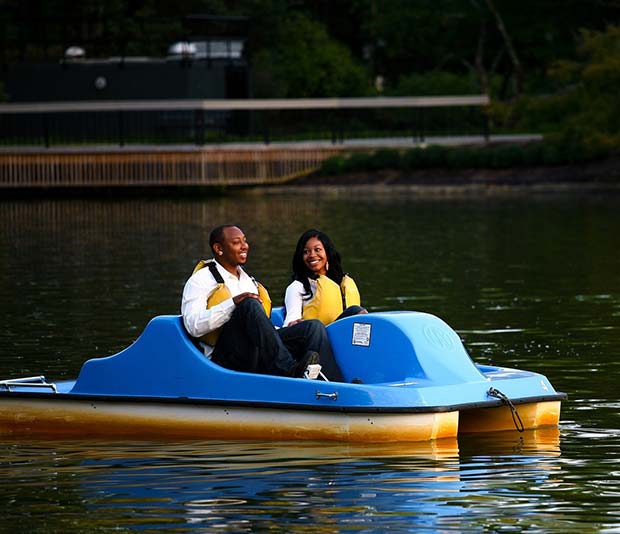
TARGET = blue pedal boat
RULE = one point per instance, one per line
(419, 383)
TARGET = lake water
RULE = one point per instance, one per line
(528, 282)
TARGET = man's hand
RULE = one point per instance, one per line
(242, 296)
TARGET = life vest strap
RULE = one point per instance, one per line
(343, 292)
(260, 289)
(216, 274)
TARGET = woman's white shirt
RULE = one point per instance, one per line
(294, 300)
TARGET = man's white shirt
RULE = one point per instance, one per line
(199, 320)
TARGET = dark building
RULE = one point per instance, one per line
(200, 67)
(127, 78)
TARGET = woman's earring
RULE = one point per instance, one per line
(220, 253)
(327, 266)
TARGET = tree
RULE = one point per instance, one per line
(306, 63)
(597, 118)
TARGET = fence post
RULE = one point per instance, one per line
(266, 127)
(486, 125)
(199, 127)
(121, 132)
(333, 126)
(422, 126)
(46, 130)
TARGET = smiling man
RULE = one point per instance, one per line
(227, 310)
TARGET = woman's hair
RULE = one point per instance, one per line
(301, 271)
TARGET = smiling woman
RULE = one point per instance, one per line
(320, 288)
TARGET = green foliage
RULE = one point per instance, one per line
(585, 114)
(306, 63)
(600, 46)
(557, 150)
(543, 114)
(333, 166)
(385, 158)
(358, 161)
(436, 83)
(564, 72)
(424, 158)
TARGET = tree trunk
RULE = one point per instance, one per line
(512, 53)
(483, 76)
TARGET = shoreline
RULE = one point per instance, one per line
(600, 171)
(596, 176)
(440, 191)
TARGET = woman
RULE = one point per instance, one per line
(320, 289)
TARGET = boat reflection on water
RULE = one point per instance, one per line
(275, 484)
(544, 441)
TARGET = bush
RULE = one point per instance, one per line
(333, 166)
(434, 156)
(385, 158)
(436, 83)
(554, 150)
(505, 156)
(305, 62)
(584, 113)
(532, 154)
(463, 158)
(358, 161)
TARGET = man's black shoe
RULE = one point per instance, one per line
(300, 368)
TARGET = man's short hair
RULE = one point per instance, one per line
(217, 234)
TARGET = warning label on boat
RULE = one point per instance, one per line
(361, 334)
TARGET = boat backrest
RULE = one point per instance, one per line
(164, 360)
(400, 347)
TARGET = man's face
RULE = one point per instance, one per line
(234, 248)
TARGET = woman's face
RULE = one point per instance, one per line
(315, 257)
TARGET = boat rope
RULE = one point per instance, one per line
(516, 418)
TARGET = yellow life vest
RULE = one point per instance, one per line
(222, 293)
(331, 299)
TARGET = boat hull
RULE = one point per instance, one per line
(154, 420)
(69, 417)
(530, 415)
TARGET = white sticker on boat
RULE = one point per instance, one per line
(361, 334)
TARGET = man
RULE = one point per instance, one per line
(222, 307)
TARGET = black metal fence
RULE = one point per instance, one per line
(204, 122)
